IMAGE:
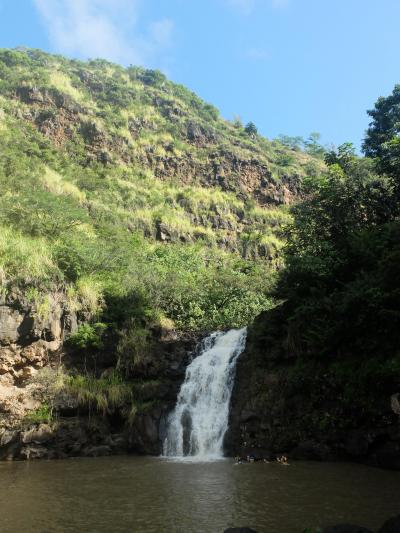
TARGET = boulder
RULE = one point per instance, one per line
(391, 526)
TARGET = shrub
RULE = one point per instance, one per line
(41, 415)
(88, 336)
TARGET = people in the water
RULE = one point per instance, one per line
(282, 460)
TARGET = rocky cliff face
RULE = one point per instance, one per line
(33, 358)
(281, 405)
(207, 163)
(29, 342)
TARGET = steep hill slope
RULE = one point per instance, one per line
(132, 219)
(96, 158)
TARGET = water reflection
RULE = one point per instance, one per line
(145, 495)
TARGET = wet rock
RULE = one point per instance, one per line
(41, 434)
(388, 456)
(311, 450)
(239, 530)
(7, 437)
(395, 403)
(247, 415)
(357, 444)
(391, 526)
(346, 528)
(118, 443)
(148, 428)
(11, 451)
(97, 451)
(30, 452)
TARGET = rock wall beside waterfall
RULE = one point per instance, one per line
(33, 355)
(309, 409)
(29, 341)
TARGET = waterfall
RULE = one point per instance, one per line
(199, 421)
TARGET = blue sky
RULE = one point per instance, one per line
(290, 66)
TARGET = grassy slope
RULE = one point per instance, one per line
(100, 164)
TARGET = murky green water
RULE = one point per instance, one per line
(149, 495)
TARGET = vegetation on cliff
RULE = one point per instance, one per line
(130, 212)
(122, 186)
(341, 282)
(332, 345)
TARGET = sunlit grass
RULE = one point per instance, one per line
(25, 258)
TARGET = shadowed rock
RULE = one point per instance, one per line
(391, 526)
(346, 528)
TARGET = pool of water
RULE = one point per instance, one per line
(151, 495)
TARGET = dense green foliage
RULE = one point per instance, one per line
(329, 351)
(340, 289)
(382, 141)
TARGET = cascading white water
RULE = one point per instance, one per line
(197, 426)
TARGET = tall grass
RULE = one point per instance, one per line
(27, 259)
(100, 394)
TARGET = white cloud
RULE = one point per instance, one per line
(103, 28)
(257, 54)
(246, 7)
(280, 3)
(161, 32)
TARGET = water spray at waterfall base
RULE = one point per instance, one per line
(197, 426)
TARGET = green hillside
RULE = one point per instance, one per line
(117, 183)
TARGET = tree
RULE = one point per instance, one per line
(382, 140)
(344, 156)
(251, 130)
(343, 240)
(295, 143)
(237, 122)
(313, 145)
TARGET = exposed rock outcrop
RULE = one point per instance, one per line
(62, 119)
(33, 357)
(29, 341)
